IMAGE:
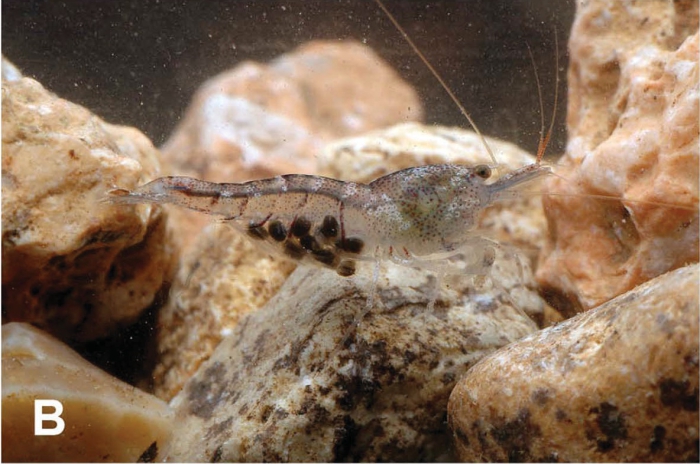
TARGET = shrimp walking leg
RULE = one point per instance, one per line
(369, 305)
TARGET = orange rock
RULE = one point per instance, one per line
(72, 264)
(263, 120)
(633, 134)
(618, 383)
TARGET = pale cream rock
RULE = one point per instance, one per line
(105, 419)
(618, 383)
(72, 264)
(633, 134)
(262, 120)
(282, 388)
(224, 277)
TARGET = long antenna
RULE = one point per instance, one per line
(544, 139)
(439, 79)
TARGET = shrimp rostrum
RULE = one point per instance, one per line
(418, 217)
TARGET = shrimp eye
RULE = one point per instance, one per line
(483, 171)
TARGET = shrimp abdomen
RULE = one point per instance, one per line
(308, 218)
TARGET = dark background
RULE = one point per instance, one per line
(138, 62)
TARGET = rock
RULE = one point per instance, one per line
(259, 121)
(105, 419)
(618, 383)
(633, 134)
(74, 265)
(224, 277)
(282, 387)
(10, 71)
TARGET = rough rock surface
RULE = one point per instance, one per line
(283, 387)
(71, 264)
(223, 278)
(105, 419)
(263, 120)
(633, 134)
(618, 383)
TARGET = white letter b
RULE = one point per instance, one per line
(55, 417)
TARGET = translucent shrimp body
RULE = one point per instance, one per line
(413, 216)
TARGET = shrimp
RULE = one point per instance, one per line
(416, 217)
